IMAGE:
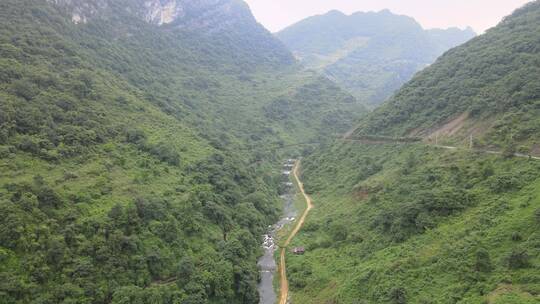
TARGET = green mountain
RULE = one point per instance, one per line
(137, 143)
(403, 221)
(485, 88)
(369, 54)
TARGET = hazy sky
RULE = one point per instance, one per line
(479, 14)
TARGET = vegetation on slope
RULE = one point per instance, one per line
(491, 78)
(415, 224)
(369, 54)
(125, 170)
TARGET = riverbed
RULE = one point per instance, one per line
(267, 264)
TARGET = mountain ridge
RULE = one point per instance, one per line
(370, 54)
(160, 12)
(484, 83)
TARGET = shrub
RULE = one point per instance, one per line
(28, 144)
(166, 154)
(135, 136)
(4, 135)
(339, 232)
(25, 89)
(518, 259)
(6, 150)
(487, 170)
(483, 261)
(524, 150)
(398, 295)
(504, 183)
(48, 198)
(509, 151)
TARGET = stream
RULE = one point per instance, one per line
(267, 263)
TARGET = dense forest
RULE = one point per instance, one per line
(399, 220)
(369, 54)
(138, 160)
(141, 148)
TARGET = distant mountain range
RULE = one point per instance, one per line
(369, 54)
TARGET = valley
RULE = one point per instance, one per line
(370, 54)
(284, 283)
(142, 146)
(138, 160)
(267, 263)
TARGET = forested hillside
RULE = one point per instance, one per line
(411, 222)
(136, 148)
(369, 54)
(488, 88)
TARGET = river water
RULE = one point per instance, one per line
(267, 263)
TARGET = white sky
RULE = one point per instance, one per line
(479, 14)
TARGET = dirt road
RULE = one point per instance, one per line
(374, 142)
(521, 155)
(284, 290)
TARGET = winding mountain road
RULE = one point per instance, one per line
(521, 155)
(370, 142)
(284, 290)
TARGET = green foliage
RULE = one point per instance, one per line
(517, 259)
(398, 296)
(421, 214)
(490, 78)
(136, 160)
(436, 225)
(506, 182)
(398, 223)
(483, 261)
(432, 225)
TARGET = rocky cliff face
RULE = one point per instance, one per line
(209, 15)
(162, 12)
(229, 23)
(81, 10)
